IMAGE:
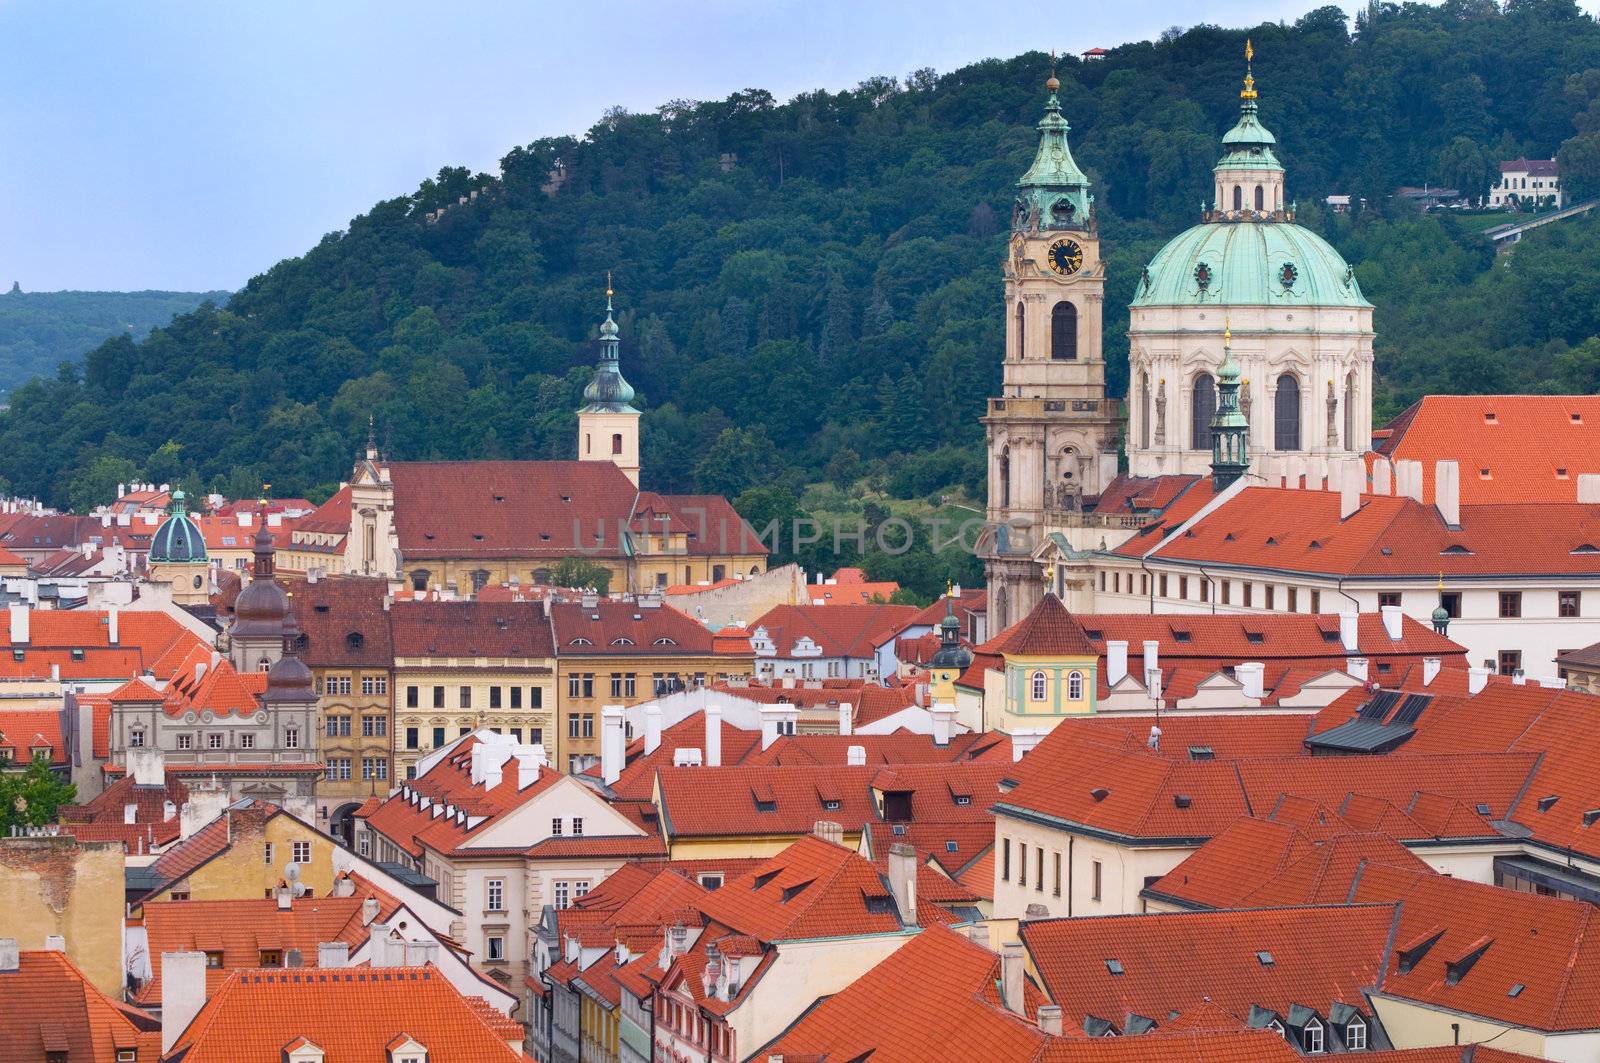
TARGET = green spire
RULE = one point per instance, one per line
(1230, 431)
(1248, 145)
(608, 392)
(1054, 193)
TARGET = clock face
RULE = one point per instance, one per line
(1066, 257)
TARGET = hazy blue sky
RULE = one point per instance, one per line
(189, 145)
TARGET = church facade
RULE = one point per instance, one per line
(1247, 287)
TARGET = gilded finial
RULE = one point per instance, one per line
(1227, 332)
(1052, 84)
(1441, 582)
(1249, 91)
(609, 293)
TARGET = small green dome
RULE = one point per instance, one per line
(177, 540)
(1248, 263)
(1440, 613)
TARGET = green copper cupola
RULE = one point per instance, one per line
(1054, 193)
(607, 391)
(1230, 430)
(1249, 177)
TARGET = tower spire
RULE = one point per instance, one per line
(1249, 90)
(1230, 430)
(1054, 193)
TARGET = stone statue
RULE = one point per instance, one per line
(1161, 412)
(1333, 417)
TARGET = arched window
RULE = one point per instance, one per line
(1261, 198)
(1064, 332)
(1286, 414)
(588, 443)
(1022, 331)
(419, 579)
(1350, 412)
(1037, 687)
(263, 665)
(1005, 477)
(616, 443)
(1144, 411)
(1074, 686)
(1238, 197)
(1204, 409)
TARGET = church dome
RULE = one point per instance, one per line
(1248, 263)
(177, 540)
(262, 608)
(289, 680)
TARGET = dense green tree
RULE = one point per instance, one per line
(30, 797)
(581, 572)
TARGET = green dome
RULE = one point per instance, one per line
(1245, 266)
(177, 541)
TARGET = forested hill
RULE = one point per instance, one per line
(40, 330)
(812, 285)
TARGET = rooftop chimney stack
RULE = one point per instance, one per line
(1050, 1020)
(1477, 679)
(19, 625)
(1252, 677)
(847, 722)
(113, 626)
(1430, 669)
(1447, 492)
(1011, 977)
(1382, 472)
(183, 993)
(1022, 742)
(1350, 632)
(1392, 621)
(1152, 656)
(714, 736)
(1589, 488)
(1116, 661)
(855, 756)
(10, 955)
(1356, 666)
(944, 720)
(903, 881)
(369, 911)
(1349, 495)
(652, 728)
(332, 954)
(612, 751)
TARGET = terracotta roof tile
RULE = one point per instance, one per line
(838, 630)
(51, 1006)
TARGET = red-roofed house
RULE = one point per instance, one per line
(1528, 184)
(828, 641)
(53, 1013)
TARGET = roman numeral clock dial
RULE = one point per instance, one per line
(1066, 257)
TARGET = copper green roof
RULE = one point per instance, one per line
(177, 540)
(1244, 265)
(1054, 188)
(608, 391)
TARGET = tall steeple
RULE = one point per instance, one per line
(1230, 431)
(1249, 177)
(1054, 193)
(608, 423)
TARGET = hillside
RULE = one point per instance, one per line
(40, 330)
(810, 289)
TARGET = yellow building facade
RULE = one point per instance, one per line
(62, 887)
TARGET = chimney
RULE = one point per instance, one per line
(1589, 488)
(113, 625)
(1430, 669)
(652, 728)
(1381, 475)
(55, 943)
(369, 911)
(203, 806)
(903, 881)
(979, 934)
(1519, 678)
(529, 763)
(146, 765)
(1356, 666)
(10, 955)
(1477, 679)
(1349, 496)
(770, 716)
(944, 719)
(1011, 960)
(130, 813)
(344, 886)
(612, 751)
(1391, 621)
(713, 715)
(1022, 742)
(19, 625)
(1350, 632)
(1252, 677)
(183, 993)
(1152, 657)
(1447, 492)
(333, 954)
(1050, 1020)
(285, 898)
(847, 718)
(829, 831)
(1411, 473)
(855, 757)
(1116, 661)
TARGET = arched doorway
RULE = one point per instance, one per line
(342, 823)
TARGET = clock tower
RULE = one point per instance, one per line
(1052, 432)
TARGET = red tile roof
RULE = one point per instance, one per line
(838, 630)
(813, 889)
(471, 629)
(145, 640)
(344, 622)
(211, 840)
(710, 521)
(104, 818)
(1046, 631)
(1110, 967)
(350, 1014)
(610, 628)
(850, 593)
(51, 1007)
(1534, 168)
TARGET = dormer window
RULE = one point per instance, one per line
(622, 641)
(664, 641)
(1312, 1037)
(1355, 1035)
(580, 641)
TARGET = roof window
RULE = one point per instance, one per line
(1202, 753)
(951, 847)
(622, 640)
(791, 892)
(1099, 793)
(1561, 472)
(1457, 969)
(1255, 638)
(1548, 802)
(1485, 474)
(1490, 417)
(1516, 989)
(1114, 966)
(664, 641)
(580, 641)
(1264, 958)
(762, 880)
(1577, 418)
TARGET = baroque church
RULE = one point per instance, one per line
(1245, 303)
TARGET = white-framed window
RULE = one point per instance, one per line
(495, 894)
(301, 852)
(577, 825)
(214, 740)
(710, 881)
(291, 738)
(579, 889)
(186, 741)
(364, 844)
(1313, 1038)
(563, 894)
(1355, 1035)
(555, 827)
(495, 947)
(1037, 686)
(266, 850)
(247, 740)
(136, 738)
(1074, 686)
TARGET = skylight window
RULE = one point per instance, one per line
(1490, 417)
(1255, 638)
(1546, 803)
(1114, 966)
(1264, 958)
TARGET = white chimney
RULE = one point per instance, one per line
(285, 899)
(612, 751)
(714, 736)
(10, 954)
(903, 881)
(1589, 488)
(147, 766)
(1447, 492)
(1350, 632)
(1349, 497)
(1477, 679)
(183, 993)
(19, 625)
(944, 718)
(1152, 656)
(1011, 977)
(1252, 677)
(1050, 1020)
(1381, 475)
(530, 761)
(203, 806)
(652, 727)
(847, 718)
(855, 756)
(1022, 743)
(333, 954)
(130, 813)
(1411, 473)
(1356, 666)
(1430, 669)
(369, 911)
(55, 943)
(770, 715)
(1116, 661)
(1391, 621)
(1519, 678)
(113, 625)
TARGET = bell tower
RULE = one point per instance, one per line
(608, 423)
(1052, 433)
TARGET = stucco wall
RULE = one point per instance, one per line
(52, 886)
